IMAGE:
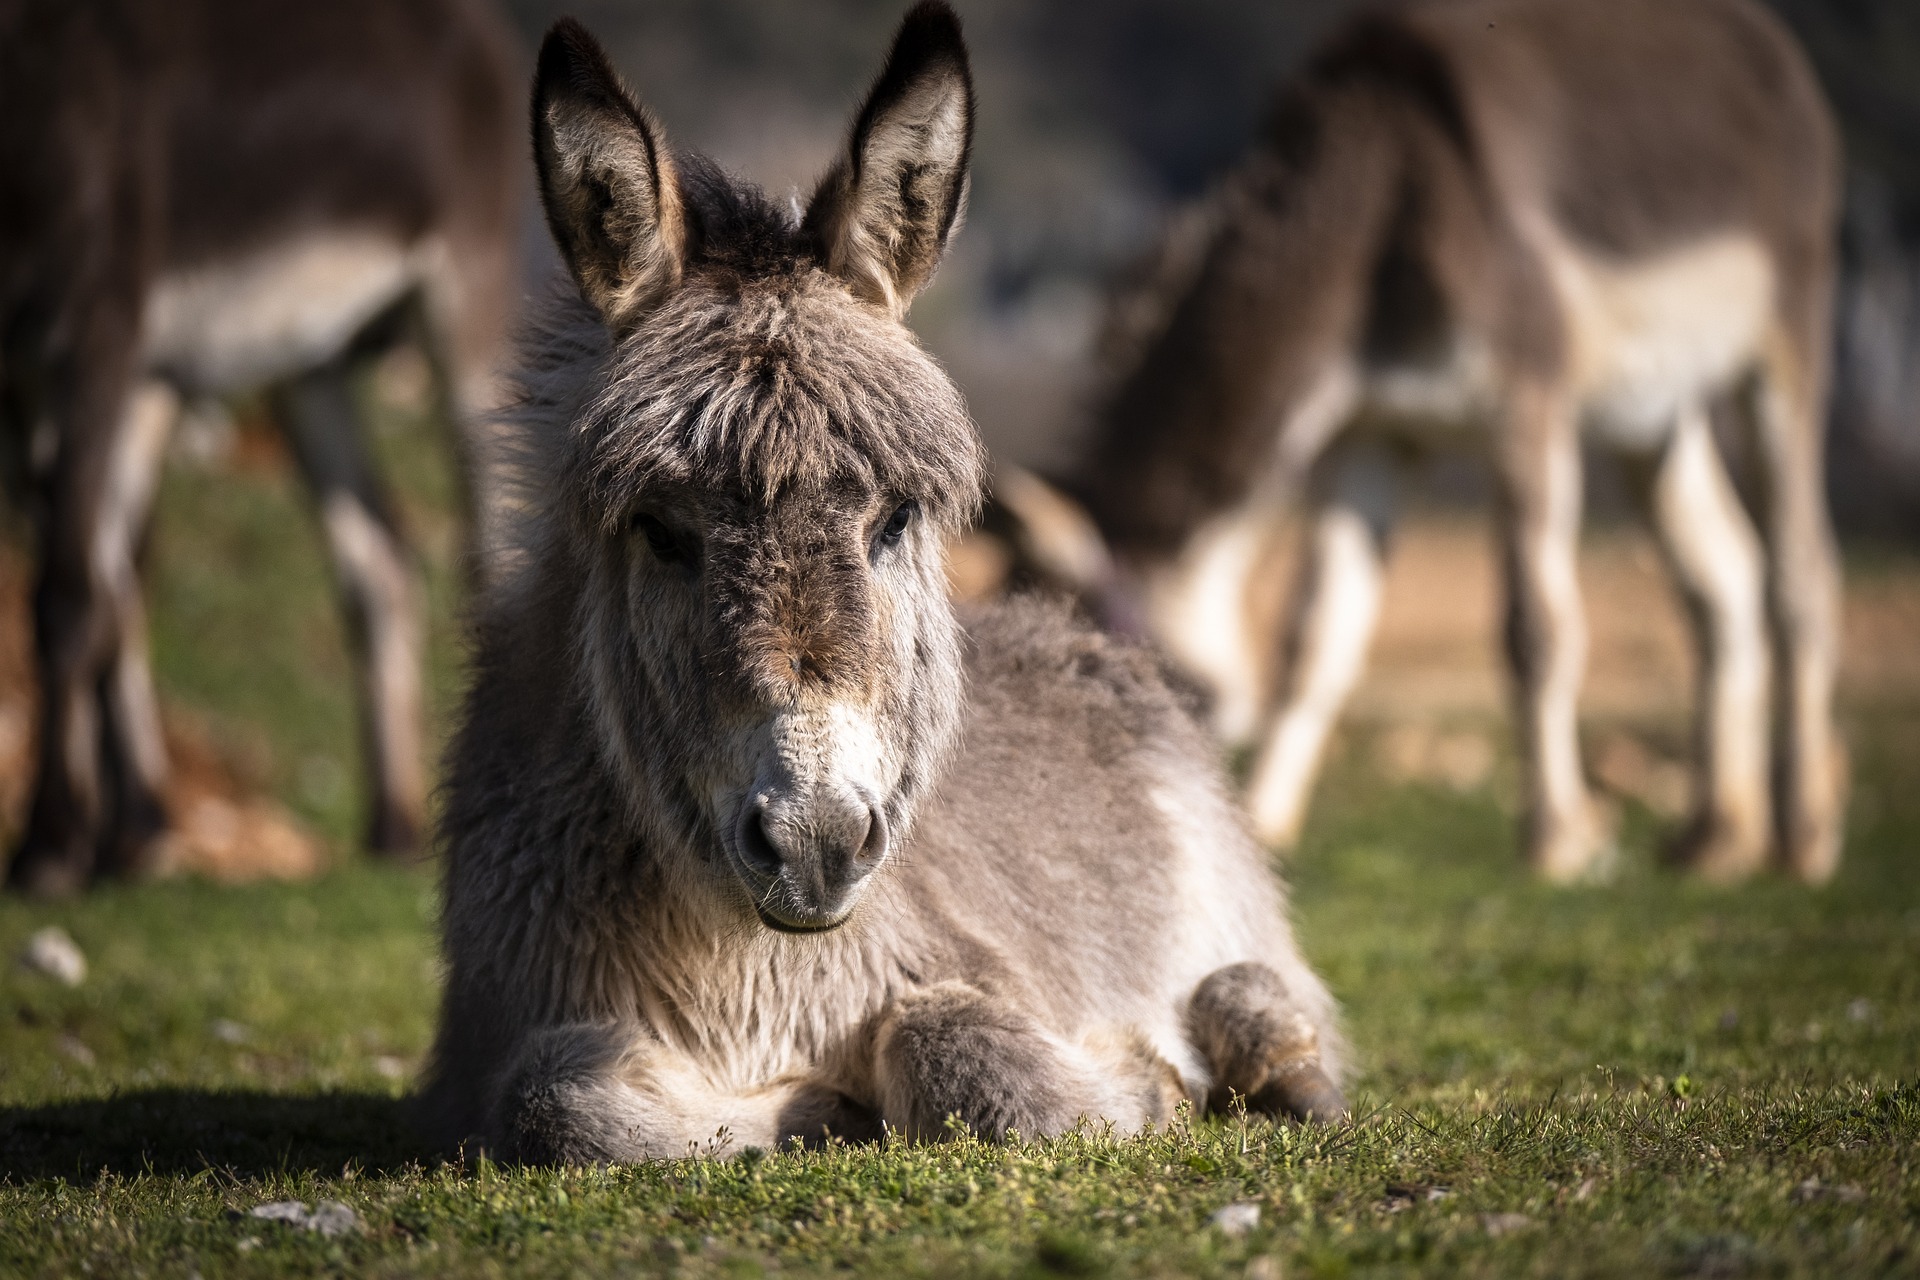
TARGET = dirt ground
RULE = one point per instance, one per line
(1436, 654)
(1435, 693)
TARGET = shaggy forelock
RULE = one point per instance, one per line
(762, 374)
(763, 387)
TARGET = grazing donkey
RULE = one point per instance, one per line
(203, 196)
(743, 832)
(1499, 223)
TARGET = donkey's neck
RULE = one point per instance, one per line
(658, 935)
(758, 1004)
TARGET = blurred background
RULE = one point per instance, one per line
(1096, 122)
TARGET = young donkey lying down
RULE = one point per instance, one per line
(743, 831)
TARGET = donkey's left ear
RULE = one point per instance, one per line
(882, 215)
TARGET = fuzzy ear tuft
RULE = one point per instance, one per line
(607, 182)
(882, 215)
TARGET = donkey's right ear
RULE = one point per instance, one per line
(607, 182)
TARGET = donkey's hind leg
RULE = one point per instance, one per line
(1336, 606)
(96, 805)
(317, 411)
(134, 747)
(1804, 593)
(1540, 491)
(1715, 555)
(1261, 1046)
(951, 1052)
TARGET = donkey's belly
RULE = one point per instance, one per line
(1085, 838)
(1652, 337)
(243, 322)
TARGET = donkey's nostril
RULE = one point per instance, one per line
(757, 846)
(873, 846)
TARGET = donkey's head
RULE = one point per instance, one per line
(761, 478)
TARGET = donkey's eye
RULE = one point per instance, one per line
(660, 539)
(897, 522)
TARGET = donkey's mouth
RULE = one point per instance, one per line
(778, 925)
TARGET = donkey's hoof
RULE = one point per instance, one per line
(42, 872)
(1812, 857)
(1718, 851)
(1304, 1091)
(1817, 832)
(394, 835)
(144, 850)
(1578, 851)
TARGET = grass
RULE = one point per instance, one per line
(1639, 1078)
(1648, 1077)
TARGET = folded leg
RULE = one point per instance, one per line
(1261, 1046)
(954, 1052)
(610, 1094)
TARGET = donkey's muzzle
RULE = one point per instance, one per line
(805, 859)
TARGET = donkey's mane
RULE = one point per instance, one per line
(759, 375)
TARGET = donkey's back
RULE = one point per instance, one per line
(254, 179)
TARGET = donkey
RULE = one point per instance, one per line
(218, 195)
(1503, 224)
(744, 833)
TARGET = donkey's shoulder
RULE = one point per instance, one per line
(1037, 654)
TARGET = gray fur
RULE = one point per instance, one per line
(995, 859)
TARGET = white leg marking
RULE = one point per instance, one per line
(376, 574)
(1716, 554)
(1333, 625)
(1804, 568)
(132, 478)
(1200, 607)
(1565, 837)
(1557, 713)
(1199, 612)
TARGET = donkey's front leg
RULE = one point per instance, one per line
(89, 632)
(951, 1051)
(1803, 571)
(1261, 1046)
(1540, 478)
(1715, 555)
(379, 592)
(612, 1094)
(1335, 609)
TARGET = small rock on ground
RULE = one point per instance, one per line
(76, 1048)
(1813, 1189)
(53, 951)
(1238, 1218)
(329, 1217)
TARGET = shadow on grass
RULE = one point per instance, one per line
(172, 1131)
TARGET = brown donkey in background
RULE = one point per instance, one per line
(1498, 223)
(743, 832)
(205, 196)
